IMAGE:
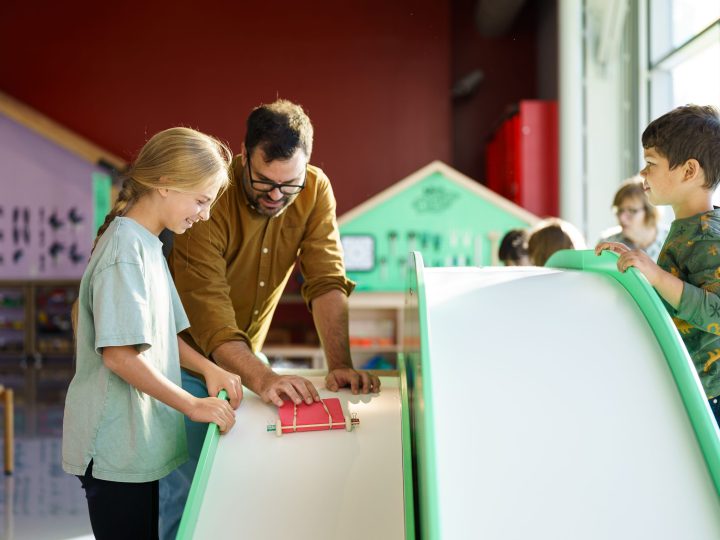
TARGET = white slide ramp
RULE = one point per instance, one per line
(555, 414)
(323, 485)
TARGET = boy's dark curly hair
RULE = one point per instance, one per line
(688, 132)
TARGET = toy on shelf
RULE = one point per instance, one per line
(321, 415)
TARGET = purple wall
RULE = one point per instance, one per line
(46, 207)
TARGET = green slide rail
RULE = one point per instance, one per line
(681, 366)
(417, 389)
(408, 485)
(200, 480)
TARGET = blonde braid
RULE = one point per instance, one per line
(128, 194)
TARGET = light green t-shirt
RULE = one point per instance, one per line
(127, 297)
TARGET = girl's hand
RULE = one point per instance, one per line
(214, 410)
(216, 379)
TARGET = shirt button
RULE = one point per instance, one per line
(265, 250)
(255, 312)
(262, 283)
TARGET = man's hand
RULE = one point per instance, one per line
(216, 379)
(356, 380)
(295, 388)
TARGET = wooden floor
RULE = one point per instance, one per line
(39, 501)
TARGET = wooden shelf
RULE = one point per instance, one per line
(45, 375)
(291, 351)
(315, 354)
(375, 348)
(20, 355)
(374, 300)
(375, 317)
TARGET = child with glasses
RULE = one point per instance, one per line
(123, 427)
(682, 155)
(638, 226)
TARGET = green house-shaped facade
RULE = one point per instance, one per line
(450, 218)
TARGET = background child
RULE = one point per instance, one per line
(551, 235)
(513, 249)
(637, 219)
(682, 154)
(122, 430)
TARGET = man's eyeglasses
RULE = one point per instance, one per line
(266, 186)
(630, 211)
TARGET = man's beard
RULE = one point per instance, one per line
(269, 212)
(254, 202)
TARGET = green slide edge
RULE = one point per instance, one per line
(425, 448)
(200, 480)
(406, 435)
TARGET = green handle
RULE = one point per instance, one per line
(200, 480)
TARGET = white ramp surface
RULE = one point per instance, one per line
(317, 485)
(555, 412)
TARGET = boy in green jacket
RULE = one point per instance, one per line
(682, 155)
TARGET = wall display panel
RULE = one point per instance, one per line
(48, 204)
(451, 219)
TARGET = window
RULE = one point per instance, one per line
(683, 64)
(684, 53)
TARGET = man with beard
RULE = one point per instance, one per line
(231, 270)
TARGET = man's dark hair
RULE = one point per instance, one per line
(279, 129)
(688, 132)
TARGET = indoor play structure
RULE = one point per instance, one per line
(451, 219)
(553, 403)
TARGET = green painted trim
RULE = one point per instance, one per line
(101, 194)
(427, 469)
(408, 490)
(200, 480)
(681, 366)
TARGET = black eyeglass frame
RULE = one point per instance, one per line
(266, 186)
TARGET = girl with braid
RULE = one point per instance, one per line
(123, 428)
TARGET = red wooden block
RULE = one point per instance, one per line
(312, 417)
